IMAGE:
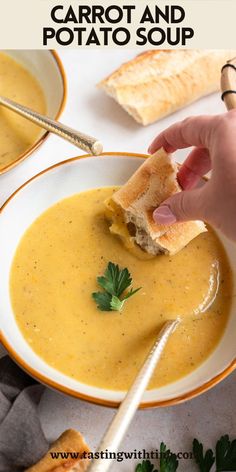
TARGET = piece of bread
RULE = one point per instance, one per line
(133, 204)
(69, 441)
(159, 82)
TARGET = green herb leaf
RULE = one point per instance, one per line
(168, 460)
(145, 466)
(116, 304)
(103, 300)
(123, 282)
(130, 293)
(225, 454)
(114, 282)
(205, 462)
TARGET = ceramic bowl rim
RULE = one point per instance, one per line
(64, 389)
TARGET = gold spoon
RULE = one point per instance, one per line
(129, 405)
(83, 141)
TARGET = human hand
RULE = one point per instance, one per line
(214, 141)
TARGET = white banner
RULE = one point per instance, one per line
(36, 24)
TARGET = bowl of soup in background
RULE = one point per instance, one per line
(35, 79)
(17, 215)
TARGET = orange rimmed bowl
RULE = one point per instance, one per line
(47, 68)
(19, 212)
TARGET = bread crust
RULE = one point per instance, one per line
(153, 182)
(159, 82)
(69, 441)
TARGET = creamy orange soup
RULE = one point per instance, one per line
(54, 274)
(16, 133)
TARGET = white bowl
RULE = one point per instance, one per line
(27, 203)
(48, 70)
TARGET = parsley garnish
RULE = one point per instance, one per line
(114, 281)
(205, 462)
(168, 462)
(145, 466)
(225, 455)
(224, 459)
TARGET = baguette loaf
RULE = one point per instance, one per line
(69, 441)
(157, 83)
(153, 182)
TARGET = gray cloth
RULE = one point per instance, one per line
(22, 441)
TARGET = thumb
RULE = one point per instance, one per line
(183, 206)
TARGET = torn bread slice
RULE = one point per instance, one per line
(133, 204)
(70, 441)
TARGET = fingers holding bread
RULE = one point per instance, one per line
(153, 183)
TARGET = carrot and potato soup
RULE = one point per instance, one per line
(54, 275)
(16, 133)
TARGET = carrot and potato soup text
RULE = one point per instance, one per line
(54, 274)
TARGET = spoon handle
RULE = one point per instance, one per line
(228, 84)
(128, 407)
(81, 140)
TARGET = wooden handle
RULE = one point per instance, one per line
(228, 84)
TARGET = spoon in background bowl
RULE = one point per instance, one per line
(89, 143)
(83, 141)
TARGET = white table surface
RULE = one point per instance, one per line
(90, 110)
